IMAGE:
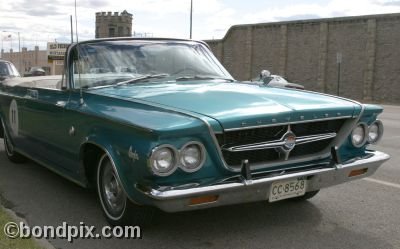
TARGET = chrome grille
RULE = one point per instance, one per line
(234, 143)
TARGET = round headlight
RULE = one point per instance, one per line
(359, 135)
(375, 132)
(163, 160)
(192, 156)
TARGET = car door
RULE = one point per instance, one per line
(48, 132)
(12, 103)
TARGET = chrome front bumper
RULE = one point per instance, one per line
(258, 190)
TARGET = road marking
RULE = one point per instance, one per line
(390, 184)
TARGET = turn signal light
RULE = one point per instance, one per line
(203, 200)
(358, 172)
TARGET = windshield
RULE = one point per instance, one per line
(110, 63)
(8, 69)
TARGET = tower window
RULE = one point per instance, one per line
(111, 32)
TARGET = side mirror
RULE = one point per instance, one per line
(265, 76)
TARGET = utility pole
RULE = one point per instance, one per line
(20, 54)
(339, 63)
(19, 48)
(72, 31)
(191, 17)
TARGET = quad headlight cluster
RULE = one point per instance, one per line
(363, 133)
(165, 159)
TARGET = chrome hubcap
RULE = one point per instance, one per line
(112, 192)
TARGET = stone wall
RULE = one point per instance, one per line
(306, 52)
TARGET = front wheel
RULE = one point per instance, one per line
(12, 155)
(117, 208)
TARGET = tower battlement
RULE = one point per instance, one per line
(113, 24)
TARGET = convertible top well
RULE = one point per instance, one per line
(49, 82)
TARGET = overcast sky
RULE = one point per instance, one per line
(39, 21)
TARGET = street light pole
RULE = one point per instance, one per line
(191, 17)
(20, 54)
(19, 47)
(339, 63)
(72, 31)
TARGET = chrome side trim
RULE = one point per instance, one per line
(119, 121)
(333, 96)
(51, 168)
(286, 123)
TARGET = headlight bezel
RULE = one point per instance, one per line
(201, 161)
(365, 138)
(175, 154)
(380, 131)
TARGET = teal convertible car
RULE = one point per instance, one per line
(159, 123)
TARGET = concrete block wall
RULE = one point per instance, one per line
(306, 52)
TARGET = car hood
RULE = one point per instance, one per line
(236, 105)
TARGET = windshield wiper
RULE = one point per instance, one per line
(144, 77)
(200, 77)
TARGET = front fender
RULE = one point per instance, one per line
(119, 151)
(347, 151)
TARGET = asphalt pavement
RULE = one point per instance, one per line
(360, 214)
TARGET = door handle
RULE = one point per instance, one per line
(61, 103)
(34, 94)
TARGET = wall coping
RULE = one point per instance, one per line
(306, 21)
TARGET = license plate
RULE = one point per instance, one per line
(287, 189)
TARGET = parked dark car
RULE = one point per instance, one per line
(35, 71)
(7, 70)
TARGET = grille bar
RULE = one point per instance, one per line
(279, 143)
(265, 144)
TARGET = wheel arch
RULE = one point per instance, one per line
(2, 127)
(91, 152)
(90, 155)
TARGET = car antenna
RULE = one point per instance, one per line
(77, 51)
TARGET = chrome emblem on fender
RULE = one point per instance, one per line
(133, 154)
